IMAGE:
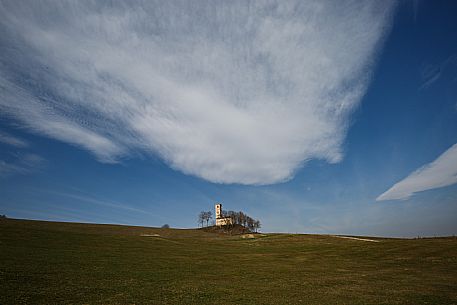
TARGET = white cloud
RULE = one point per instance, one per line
(439, 173)
(232, 92)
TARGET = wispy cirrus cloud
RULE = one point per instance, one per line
(24, 163)
(6, 138)
(232, 92)
(439, 173)
(101, 202)
(431, 73)
(18, 161)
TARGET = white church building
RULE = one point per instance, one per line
(220, 220)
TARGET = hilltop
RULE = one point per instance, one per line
(235, 229)
(62, 263)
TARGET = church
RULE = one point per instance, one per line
(220, 220)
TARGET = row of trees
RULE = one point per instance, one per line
(243, 219)
(238, 218)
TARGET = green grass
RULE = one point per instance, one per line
(66, 263)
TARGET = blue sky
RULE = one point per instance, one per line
(313, 117)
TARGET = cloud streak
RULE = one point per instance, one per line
(100, 202)
(24, 163)
(11, 140)
(431, 73)
(232, 92)
(439, 173)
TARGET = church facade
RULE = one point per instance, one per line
(220, 220)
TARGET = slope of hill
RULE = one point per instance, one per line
(68, 263)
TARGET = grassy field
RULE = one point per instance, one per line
(66, 263)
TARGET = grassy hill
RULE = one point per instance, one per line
(68, 263)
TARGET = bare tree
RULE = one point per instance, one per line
(204, 216)
(232, 216)
(201, 218)
(257, 225)
(250, 223)
(208, 217)
(242, 218)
